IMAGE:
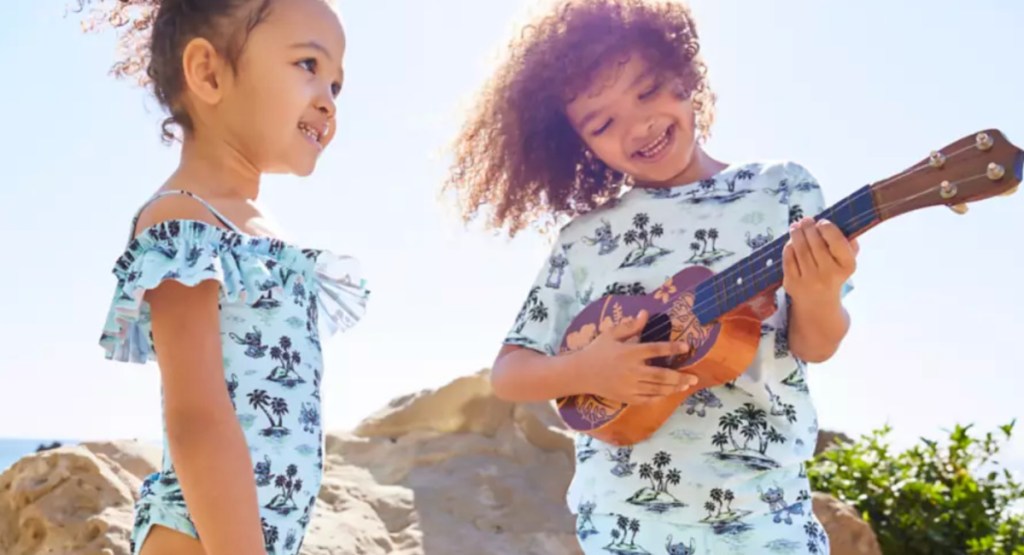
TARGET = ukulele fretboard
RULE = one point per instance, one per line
(762, 269)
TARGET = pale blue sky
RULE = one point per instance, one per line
(854, 91)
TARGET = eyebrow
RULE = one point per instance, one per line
(312, 44)
(645, 74)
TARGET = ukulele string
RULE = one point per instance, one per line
(858, 219)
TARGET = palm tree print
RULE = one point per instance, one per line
(259, 399)
(533, 310)
(705, 238)
(616, 288)
(796, 213)
(817, 539)
(721, 516)
(756, 434)
(287, 358)
(707, 190)
(641, 238)
(626, 529)
(288, 485)
(267, 300)
(269, 536)
(657, 497)
(741, 175)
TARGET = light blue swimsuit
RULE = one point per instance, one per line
(273, 297)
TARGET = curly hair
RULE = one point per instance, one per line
(154, 33)
(518, 153)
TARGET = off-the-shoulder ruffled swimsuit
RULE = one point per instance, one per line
(274, 298)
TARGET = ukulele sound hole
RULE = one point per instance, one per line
(659, 328)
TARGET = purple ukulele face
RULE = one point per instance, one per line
(670, 317)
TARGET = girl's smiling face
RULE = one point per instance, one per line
(278, 109)
(636, 120)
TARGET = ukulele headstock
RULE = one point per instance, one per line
(974, 168)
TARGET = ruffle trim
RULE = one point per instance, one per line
(246, 268)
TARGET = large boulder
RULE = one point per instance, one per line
(450, 471)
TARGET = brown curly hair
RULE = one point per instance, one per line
(518, 152)
(154, 33)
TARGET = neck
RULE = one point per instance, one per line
(701, 166)
(214, 168)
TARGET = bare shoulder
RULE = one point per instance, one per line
(173, 207)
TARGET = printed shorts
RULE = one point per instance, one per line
(795, 532)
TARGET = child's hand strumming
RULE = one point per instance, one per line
(613, 367)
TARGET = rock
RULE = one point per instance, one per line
(847, 533)
(139, 459)
(455, 471)
(828, 439)
(68, 501)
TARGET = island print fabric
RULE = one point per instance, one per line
(730, 461)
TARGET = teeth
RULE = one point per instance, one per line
(310, 132)
(656, 147)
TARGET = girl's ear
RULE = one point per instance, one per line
(204, 71)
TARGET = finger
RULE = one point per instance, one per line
(802, 251)
(645, 389)
(646, 351)
(629, 327)
(838, 247)
(817, 246)
(855, 246)
(790, 265)
(663, 376)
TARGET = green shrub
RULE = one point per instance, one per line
(930, 499)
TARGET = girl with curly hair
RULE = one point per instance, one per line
(206, 287)
(598, 115)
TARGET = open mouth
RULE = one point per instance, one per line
(658, 146)
(313, 134)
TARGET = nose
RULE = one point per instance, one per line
(643, 132)
(325, 104)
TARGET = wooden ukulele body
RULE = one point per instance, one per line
(719, 352)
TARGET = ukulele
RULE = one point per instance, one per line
(714, 313)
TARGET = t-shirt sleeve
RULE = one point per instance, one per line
(550, 304)
(806, 198)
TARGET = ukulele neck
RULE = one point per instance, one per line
(762, 269)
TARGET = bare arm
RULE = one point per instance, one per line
(816, 330)
(609, 366)
(523, 375)
(206, 443)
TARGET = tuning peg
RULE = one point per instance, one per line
(947, 190)
(983, 141)
(995, 172)
(1011, 191)
(959, 208)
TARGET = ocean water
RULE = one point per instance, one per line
(13, 449)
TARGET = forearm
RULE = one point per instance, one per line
(215, 471)
(523, 375)
(816, 329)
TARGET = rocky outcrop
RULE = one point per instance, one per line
(451, 471)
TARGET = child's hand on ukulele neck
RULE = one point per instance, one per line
(817, 261)
(613, 367)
